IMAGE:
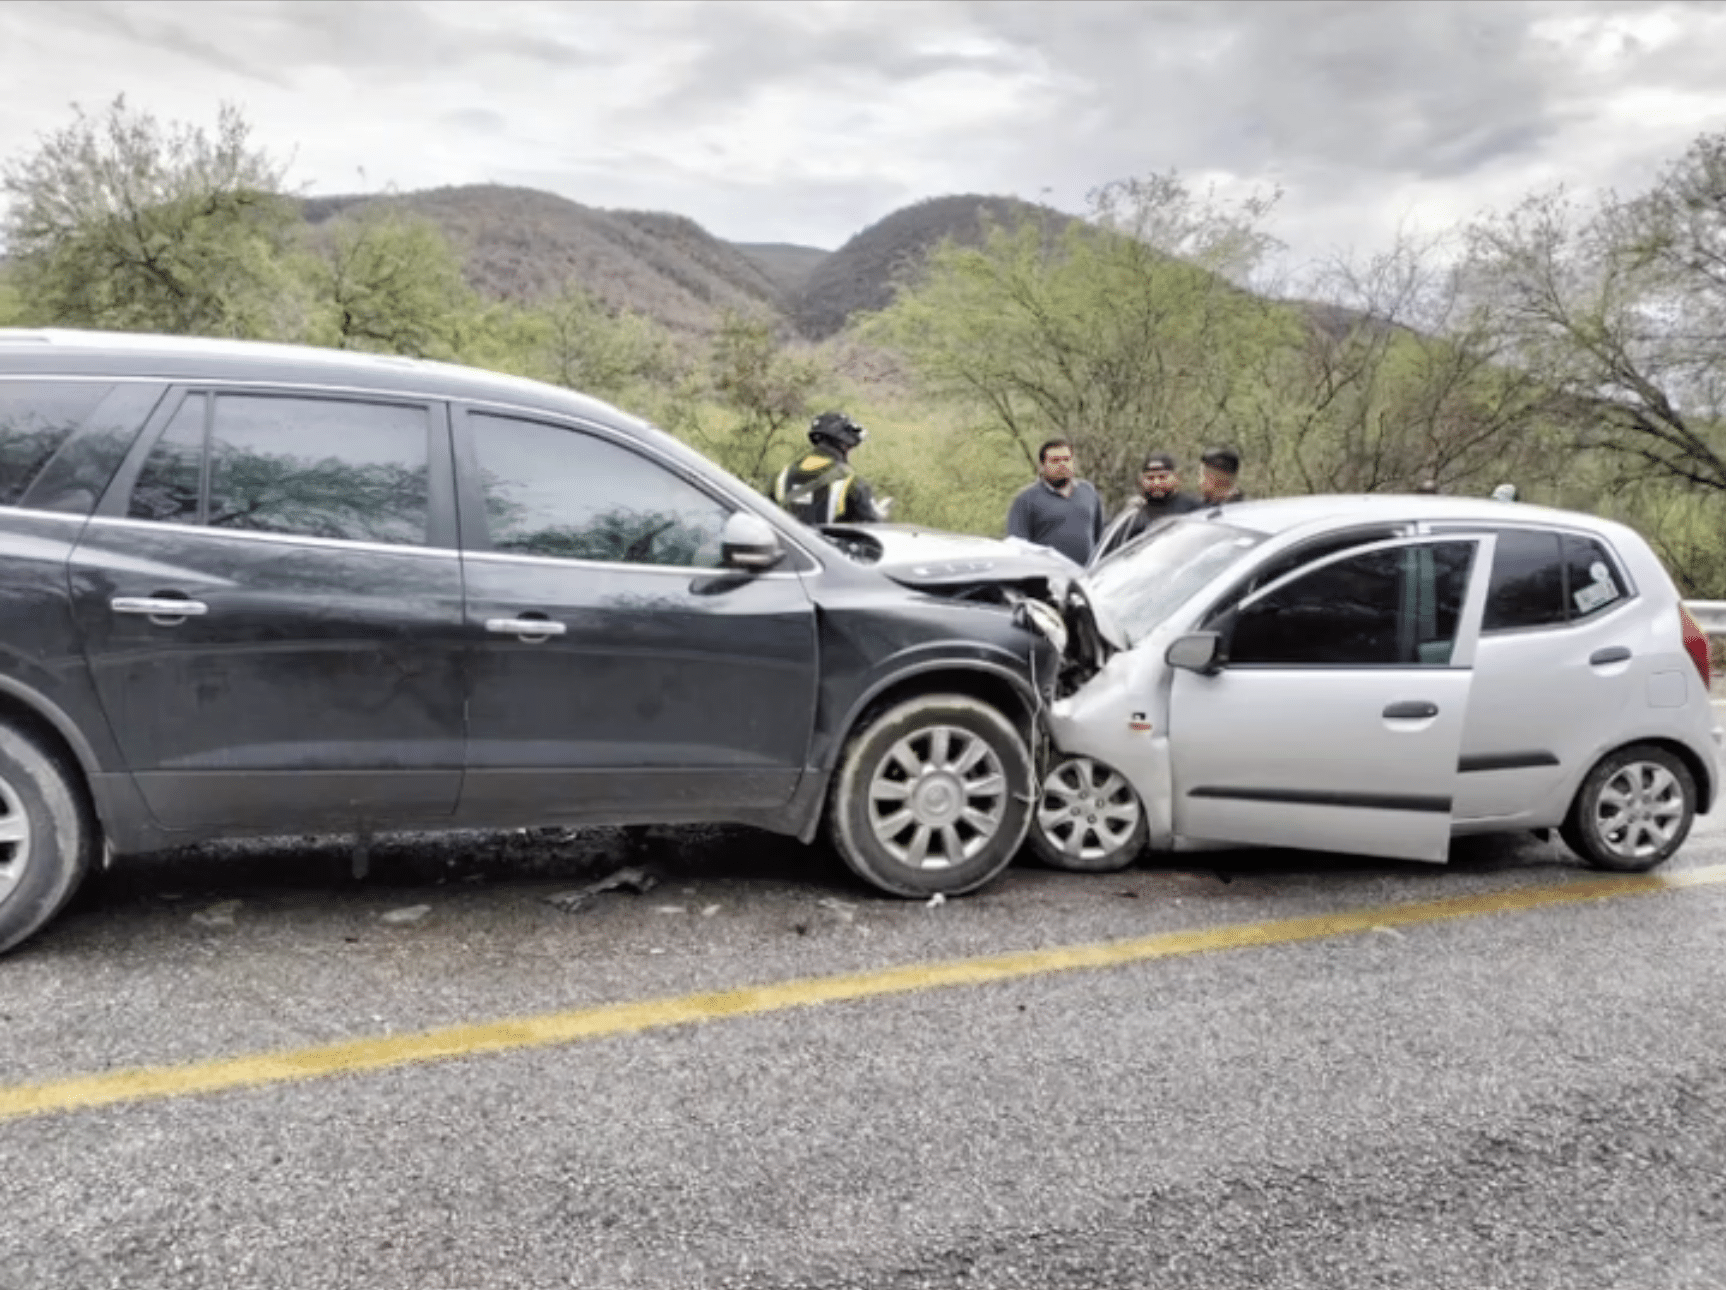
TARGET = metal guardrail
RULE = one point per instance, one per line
(1710, 615)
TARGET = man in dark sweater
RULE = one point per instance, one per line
(1160, 495)
(1058, 510)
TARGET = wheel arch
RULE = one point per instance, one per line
(982, 681)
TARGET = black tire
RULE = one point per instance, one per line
(933, 797)
(1634, 809)
(1088, 818)
(46, 837)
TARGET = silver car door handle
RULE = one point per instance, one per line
(1611, 654)
(1411, 710)
(525, 628)
(158, 606)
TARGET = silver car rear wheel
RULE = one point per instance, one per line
(1089, 819)
(1633, 810)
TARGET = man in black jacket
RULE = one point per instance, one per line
(1160, 495)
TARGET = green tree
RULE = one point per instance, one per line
(764, 389)
(118, 221)
(1622, 308)
(1120, 333)
(582, 345)
(385, 280)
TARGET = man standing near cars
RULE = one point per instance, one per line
(822, 487)
(1160, 495)
(1058, 510)
(1218, 468)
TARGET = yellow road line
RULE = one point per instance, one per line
(146, 1083)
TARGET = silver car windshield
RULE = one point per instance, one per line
(1133, 592)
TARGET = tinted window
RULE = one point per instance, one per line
(1399, 606)
(558, 492)
(319, 468)
(1527, 587)
(36, 417)
(1591, 578)
(171, 483)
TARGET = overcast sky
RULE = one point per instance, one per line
(806, 122)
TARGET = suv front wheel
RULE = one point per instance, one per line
(46, 837)
(1633, 810)
(933, 797)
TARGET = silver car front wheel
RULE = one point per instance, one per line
(1633, 810)
(1089, 819)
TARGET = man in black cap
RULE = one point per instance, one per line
(1159, 496)
(1217, 470)
(822, 487)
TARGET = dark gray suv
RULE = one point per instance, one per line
(254, 589)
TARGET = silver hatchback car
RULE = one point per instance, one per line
(1376, 675)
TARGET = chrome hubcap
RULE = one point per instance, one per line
(1087, 810)
(1639, 810)
(14, 838)
(938, 798)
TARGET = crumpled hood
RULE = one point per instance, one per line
(948, 563)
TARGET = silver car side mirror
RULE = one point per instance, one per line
(749, 542)
(1200, 652)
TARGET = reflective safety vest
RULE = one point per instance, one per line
(816, 490)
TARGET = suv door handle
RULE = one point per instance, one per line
(164, 610)
(528, 629)
(1611, 654)
(1411, 710)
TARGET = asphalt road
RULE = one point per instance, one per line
(1527, 1091)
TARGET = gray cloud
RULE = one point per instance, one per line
(807, 122)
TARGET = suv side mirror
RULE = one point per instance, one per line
(749, 542)
(1200, 652)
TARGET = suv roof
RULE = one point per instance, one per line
(52, 351)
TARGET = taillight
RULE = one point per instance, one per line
(1696, 645)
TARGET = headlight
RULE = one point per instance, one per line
(1045, 621)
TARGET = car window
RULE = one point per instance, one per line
(1527, 586)
(1307, 553)
(170, 486)
(308, 467)
(554, 491)
(36, 418)
(1391, 607)
(1590, 578)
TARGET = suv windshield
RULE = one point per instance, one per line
(1136, 590)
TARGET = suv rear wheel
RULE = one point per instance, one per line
(46, 837)
(1633, 810)
(933, 797)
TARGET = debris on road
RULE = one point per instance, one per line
(630, 878)
(220, 914)
(937, 900)
(838, 908)
(409, 914)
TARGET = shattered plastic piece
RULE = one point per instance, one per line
(221, 914)
(936, 900)
(669, 909)
(710, 911)
(631, 877)
(838, 908)
(409, 914)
